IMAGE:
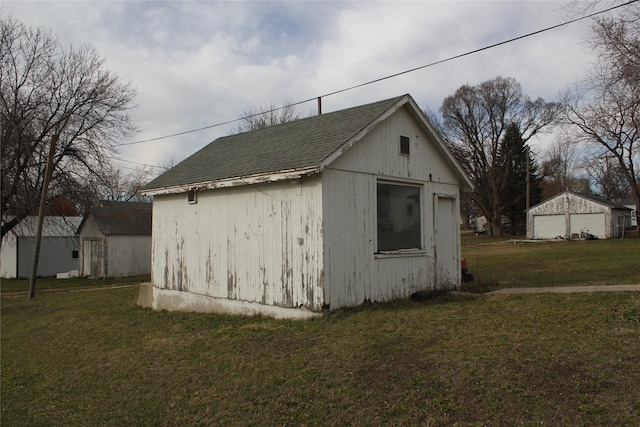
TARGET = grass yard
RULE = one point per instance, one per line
(93, 358)
(49, 284)
(500, 263)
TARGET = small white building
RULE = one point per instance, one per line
(115, 240)
(58, 247)
(320, 213)
(568, 214)
(631, 204)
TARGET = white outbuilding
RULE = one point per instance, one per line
(115, 240)
(569, 214)
(58, 247)
(316, 214)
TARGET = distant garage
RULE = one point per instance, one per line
(568, 214)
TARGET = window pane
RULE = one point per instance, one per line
(398, 217)
(404, 145)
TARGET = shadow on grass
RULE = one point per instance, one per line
(415, 302)
(480, 287)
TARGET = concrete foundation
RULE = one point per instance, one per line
(170, 300)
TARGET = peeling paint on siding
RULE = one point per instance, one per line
(253, 246)
(232, 283)
(353, 272)
(310, 243)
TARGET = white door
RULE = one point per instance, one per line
(548, 226)
(86, 257)
(446, 253)
(589, 223)
(91, 258)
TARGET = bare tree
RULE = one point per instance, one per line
(57, 104)
(267, 115)
(118, 186)
(61, 113)
(475, 121)
(608, 177)
(605, 109)
(559, 168)
(170, 163)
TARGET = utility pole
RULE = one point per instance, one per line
(43, 198)
(528, 189)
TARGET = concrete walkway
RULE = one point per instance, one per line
(568, 289)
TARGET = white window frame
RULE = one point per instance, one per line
(192, 196)
(421, 204)
(408, 139)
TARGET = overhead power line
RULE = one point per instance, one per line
(451, 58)
(135, 163)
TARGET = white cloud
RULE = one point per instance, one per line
(199, 63)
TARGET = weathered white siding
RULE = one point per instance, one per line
(112, 255)
(258, 243)
(9, 256)
(354, 273)
(378, 153)
(127, 256)
(56, 256)
(56, 247)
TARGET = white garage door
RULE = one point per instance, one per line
(548, 226)
(592, 223)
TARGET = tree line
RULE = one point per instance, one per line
(488, 127)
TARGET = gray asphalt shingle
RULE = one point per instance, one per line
(122, 218)
(294, 145)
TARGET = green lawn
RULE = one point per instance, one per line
(94, 358)
(52, 284)
(500, 263)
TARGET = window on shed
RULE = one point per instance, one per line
(398, 217)
(192, 197)
(404, 145)
(74, 254)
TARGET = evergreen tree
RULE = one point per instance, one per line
(475, 120)
(513, 156)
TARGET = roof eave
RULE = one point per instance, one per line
(275, 176)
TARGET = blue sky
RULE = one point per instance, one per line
(195, 64)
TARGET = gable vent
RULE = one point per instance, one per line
(192, 197)
(404, 145)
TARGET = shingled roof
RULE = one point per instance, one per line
(288, 151)
(121, 218)
(592, 197)
(52, 226)
(601, 200)
(295, 145)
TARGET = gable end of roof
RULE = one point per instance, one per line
(289, 150)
